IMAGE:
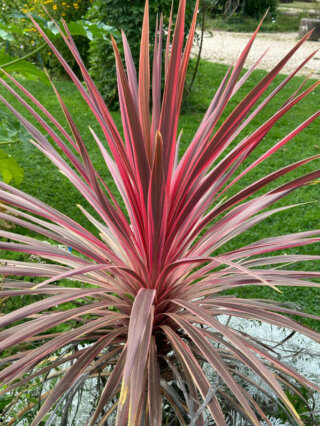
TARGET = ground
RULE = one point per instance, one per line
(224, 47)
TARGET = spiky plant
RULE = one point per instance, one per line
(153, 284)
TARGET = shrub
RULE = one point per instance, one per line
(124, 15)
(137, 305)
(69, 10)
(252, 8)
(12, 19)
(257, 8)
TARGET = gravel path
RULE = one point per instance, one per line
(224, 47)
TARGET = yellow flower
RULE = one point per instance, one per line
(49, 53)
(63, 14)
(54, 7)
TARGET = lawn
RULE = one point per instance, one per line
(278, 22)
(43, 181)
(300, 5)
(286, 18)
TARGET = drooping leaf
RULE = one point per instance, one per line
(27, 69)
(10, 169)
(5, 35)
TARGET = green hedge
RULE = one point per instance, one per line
(126, 15)
(27, 39)
(69, 10)
(257, 8)
(251, 8)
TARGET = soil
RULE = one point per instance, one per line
(224, 47)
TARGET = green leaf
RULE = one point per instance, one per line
(12, 28)
(27, 69)
(4, 57)
(51, 26)
(10, 169)
(11, 131)
(5, 35)
(82, 27)
(77, 28)
(100, 30)
(5, 400)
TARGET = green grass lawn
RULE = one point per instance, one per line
(301, 5)
(286, 18)
(45, 182)
(278, 22)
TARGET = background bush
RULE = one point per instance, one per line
(126, 15)
(69, 10)
(25, 41)
(257, 8)
(20, 43)
(252, 8)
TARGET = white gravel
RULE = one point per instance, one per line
(224, 47)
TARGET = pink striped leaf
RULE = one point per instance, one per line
(74, 372)
(143, 291)
(139, 335)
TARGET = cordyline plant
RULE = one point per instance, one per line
(147, 320)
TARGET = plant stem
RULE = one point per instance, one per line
(9, 142)
(203, 6)
(15, 61)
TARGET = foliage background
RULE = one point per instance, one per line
(124, 15)
(28, 39)
(252, 8)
